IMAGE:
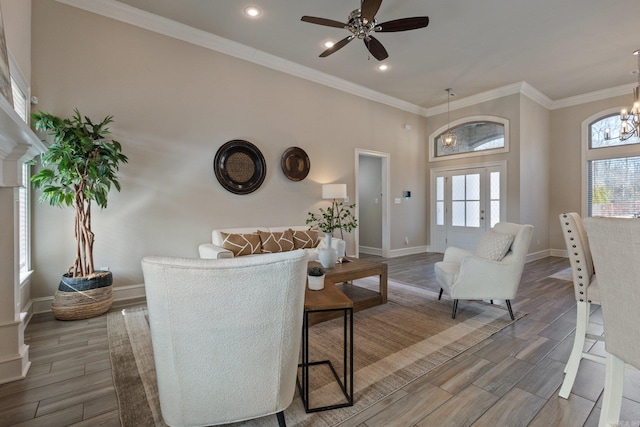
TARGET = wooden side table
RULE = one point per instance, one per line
(328, 299)
(353, 269)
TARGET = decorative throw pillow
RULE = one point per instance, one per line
(276, 241)
(494, 246)
(241, 244)
(303, 239)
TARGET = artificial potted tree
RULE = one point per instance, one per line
(79, 168)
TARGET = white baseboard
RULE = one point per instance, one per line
(537, 255)
(370, 251)
(394, 253)
(562, 253)
(121, 296)
(408, 251)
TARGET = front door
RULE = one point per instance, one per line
(466, 203)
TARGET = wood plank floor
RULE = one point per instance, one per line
(509, 379)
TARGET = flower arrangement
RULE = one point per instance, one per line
(335, 217)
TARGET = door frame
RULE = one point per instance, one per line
(501, 165)
(384, 200)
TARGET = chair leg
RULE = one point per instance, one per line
(612, 397)
(281, 421)
(573, 363)
(455, 308)
(510, 310)
(440, 295)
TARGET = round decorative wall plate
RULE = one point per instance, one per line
(295, 163)
(239, 167)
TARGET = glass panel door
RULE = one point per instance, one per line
(466, 203)
(467, 212)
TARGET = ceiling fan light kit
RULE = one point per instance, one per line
(362, 23)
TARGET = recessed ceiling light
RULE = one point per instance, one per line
(383, 67)
(252, 11)
(328, 44)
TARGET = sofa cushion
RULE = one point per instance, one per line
(304, 239)
(241, 244)
(274, 242)
(494, 246)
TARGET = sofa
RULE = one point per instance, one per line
(251, 241)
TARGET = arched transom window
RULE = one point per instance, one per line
(475, 136)
(612, 169)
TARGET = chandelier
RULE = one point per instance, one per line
(448, 140)
(629, 119)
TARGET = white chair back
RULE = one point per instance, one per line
(226, 335)
(586, 292)
(579, 251)
(615, 246)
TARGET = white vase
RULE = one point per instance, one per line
(327, 256)
(316, 283)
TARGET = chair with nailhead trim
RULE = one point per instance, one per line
(586, 293)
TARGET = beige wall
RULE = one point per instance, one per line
(174, 105)
(565, 164)
(534, 167)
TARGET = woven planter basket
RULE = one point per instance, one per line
(82, 298)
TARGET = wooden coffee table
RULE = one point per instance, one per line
(343, 274)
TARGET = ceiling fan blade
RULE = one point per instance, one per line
(375, 47)
(339, 45)
(403, 24)
(368, 9)
(323, 21)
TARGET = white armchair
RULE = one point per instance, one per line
(492, 272)
(226, 335)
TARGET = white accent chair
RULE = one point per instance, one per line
(615, 246)
(465, 275)
(586, 292)
(226, 335)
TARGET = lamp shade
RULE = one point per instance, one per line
(334, 191)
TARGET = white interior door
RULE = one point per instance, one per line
(466, 202)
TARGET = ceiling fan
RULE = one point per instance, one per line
(362, 22)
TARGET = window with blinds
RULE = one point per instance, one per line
(613, 172)
(21, 107)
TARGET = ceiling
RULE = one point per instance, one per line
(563, 48)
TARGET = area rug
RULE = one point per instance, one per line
(565, 274)
(394, 344)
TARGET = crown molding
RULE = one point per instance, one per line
(512, 89)
(124, 13)
(148, 21)
(534, 94)
(593, 96)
